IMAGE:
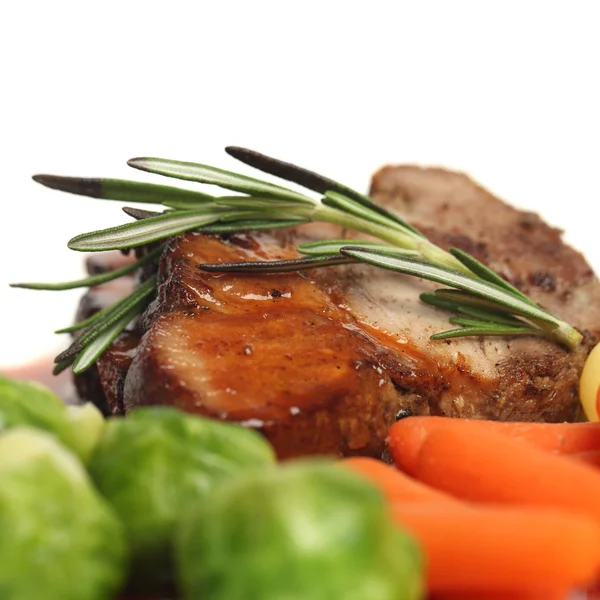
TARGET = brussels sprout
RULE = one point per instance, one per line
(29, 403)
(59, 538)
(156, 463)
(306, 530)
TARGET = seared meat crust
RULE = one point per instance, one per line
(322, 361)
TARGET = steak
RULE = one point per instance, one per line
(323, 361)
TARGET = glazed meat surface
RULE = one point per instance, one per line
(322, 361)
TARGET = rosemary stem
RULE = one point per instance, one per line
(440, 257)
(407, 240)
(563, 332)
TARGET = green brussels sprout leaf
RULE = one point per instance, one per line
(158, 462)
(87, 424)
(29, 403)
(60, 539)
(305, 530)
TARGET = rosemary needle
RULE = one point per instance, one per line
(93, 280)
(126, 191)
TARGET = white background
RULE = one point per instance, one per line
(506, 91)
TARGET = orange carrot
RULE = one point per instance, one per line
(485, 466)
(560, 438)
(491, 595)
(502, 548)
(395, 485)
(591, 458)
(407, 435)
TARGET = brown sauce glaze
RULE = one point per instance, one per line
(273, 352)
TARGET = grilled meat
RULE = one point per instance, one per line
(322, 361)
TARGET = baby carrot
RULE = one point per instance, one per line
(406, 436)
(502, 549)
(486, 466)
(561, 438)
(395, 485)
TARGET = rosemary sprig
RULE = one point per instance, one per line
(483, 303)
